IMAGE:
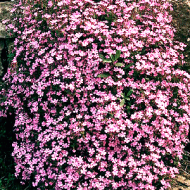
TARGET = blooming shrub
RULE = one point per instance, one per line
(99, 100)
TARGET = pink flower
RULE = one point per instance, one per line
(50, 3)
(98, 104)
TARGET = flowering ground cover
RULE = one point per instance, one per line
(99, 98)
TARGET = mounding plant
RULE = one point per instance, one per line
(99, 99)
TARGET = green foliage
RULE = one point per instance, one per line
(112, 57)
(104, 75)
(10, 57)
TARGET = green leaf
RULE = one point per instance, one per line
(112, 57)
(128, 99)
(118, 53)
(126, 67)
(103, 75)
(11, 55)
(101, 56)
(107, 60)
(122, 102)
(147, 79)
(175, 163)
(130, 92)
(128, 107)
(82, 132)
(119, 64)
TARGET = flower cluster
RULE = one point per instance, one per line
(99, 99)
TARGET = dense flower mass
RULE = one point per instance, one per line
(99, 98)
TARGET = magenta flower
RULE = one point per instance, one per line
(98, 100)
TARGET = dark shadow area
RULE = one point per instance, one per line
(7, 179)
(4, 58)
